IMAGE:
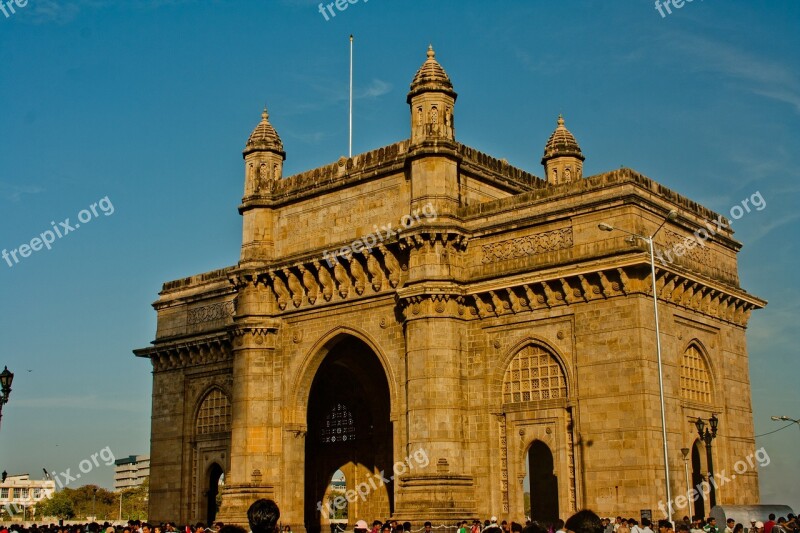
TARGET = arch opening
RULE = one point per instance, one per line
(215, 478)
(349, 438)
(542, 502)
(697, 479)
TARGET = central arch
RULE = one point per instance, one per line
(349, 430)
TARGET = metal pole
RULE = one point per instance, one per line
(350, 143)
(712, 493)
(688, 488)
(660, 379)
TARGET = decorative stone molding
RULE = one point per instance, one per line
(730, 305)
(548, 241)
(210, 313)
(695, 255)
(183, 354)
(314, 282)
(449, 241)
(433, 301)
(259, 333)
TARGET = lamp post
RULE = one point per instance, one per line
(94, 501)
(707, 436)
(786, 419)
(685, 453)
(672, 215)
(6, 378)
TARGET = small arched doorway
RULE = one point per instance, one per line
(697, 479)
(543, 483)
(215, 477)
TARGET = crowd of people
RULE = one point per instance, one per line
(263, 517)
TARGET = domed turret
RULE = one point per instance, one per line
(264, 156)
(432, 99)
(562, 159)
(264, 137)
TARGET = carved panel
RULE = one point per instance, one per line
(548, 241)
(209, 313)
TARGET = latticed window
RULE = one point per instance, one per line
(339, 425)
(215, 413)
(533, 375)
(695, 377)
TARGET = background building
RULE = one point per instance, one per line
(19, 493)
(431, 314)
(131, 471)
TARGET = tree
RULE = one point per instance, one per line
(91, 500)
(134, 501)
(59, 505)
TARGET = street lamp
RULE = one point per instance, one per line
(94, 501)
(672, 215)
(707, 435)
(786, 419)
(685, 453)
(6, 378)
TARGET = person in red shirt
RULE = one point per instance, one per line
(770, 523)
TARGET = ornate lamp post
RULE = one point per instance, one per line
(707, 435)
(685, 453)
(672, 215)
(6, 378)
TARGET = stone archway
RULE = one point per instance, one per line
(543, 483)
(213, 477)
(349, 429)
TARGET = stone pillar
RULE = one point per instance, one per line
(440, 488)
(256, 434)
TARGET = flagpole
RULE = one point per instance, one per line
(350, 143)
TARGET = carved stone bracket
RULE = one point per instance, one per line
(317, 281)
(449, 241)
(433, 300)
(183, 354)
(672, 287)
(255, 333)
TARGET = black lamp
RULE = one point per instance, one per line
(6, 377)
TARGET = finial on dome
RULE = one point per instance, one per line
(431, 53)
(264, 114)
(561, 120)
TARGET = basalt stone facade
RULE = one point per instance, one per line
(500, 333)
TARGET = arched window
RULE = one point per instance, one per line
(214, 415)
(533, 375)
(695, 377)
(338, 426)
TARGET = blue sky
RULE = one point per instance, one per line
(149, 103)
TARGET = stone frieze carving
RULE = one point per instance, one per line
(548, 241)
(209, 313)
